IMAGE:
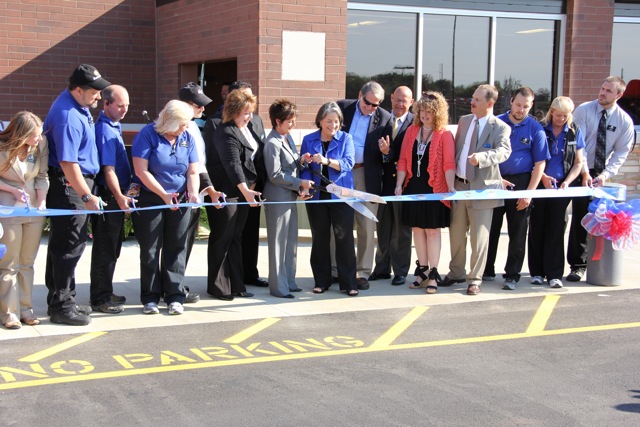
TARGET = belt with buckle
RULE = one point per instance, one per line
(462, 180)
(357, 166)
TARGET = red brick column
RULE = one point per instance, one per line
(587, 48)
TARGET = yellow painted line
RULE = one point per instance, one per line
(295, 356)
(252, 330)
(36, 357)
(396, 330)
(539, 321)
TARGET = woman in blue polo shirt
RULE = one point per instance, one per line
(165, 161)
(330, 152)
(547, 222)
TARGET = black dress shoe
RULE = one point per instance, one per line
(243, 294)
(190, 297)
(287, 296)
(399, 280)
(377, 276)
(226, 297)
(259, 282)
(362, 283)
(73, 318)
(448, 281)
(295, 290)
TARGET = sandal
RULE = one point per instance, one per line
(13, 325)
(319, 290)
(31, 321)
(353, 293)
(420, 277)
(435, 276)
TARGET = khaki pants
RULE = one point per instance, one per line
(22, 238)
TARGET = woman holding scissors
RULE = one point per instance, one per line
(24, 156)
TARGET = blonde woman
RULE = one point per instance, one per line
(427, 166)
(165, 160)
(548, 222)
(23, 182)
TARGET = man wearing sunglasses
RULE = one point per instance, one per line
(366, 122)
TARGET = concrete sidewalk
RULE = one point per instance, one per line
(381, 295)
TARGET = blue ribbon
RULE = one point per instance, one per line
(614, 193)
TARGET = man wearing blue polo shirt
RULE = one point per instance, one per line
(73, 165)
(112, 184)
(521, 171)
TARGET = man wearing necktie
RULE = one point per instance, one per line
(394, 238)
(608, 134)
(482, 143)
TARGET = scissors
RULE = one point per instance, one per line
(347, 194)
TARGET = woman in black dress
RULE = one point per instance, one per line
(427, 166)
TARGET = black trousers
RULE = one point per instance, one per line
(108, 234)
(517, 225)
(192, 232)
(394, 241)
(321, 217)
(547, 224)
(250, 245)
(67, 240)
(162, 236)
(224, 252)
(577, 245)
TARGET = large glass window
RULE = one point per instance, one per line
(381, 46)
(455, 53)
(455, 58)
(625, 62)
(524, 57)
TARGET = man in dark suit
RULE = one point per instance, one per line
(394, 238)
(482, 143)
(251, 234)
(366, 123)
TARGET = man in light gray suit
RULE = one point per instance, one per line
(482, 143)
(282, 185)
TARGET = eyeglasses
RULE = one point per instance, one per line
(370, 104)
(430, 97)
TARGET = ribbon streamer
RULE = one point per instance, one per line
(605, 193)
(617, 222)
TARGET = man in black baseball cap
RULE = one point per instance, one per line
(88, 75)
(192, 92)
(73, 165)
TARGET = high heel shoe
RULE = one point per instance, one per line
(433, 275)
(420, 277)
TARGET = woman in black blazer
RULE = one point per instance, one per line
(234, 162)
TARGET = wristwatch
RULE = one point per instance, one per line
(86, 197)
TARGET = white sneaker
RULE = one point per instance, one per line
(537, 280)
(555, 283)
(176, 308)
(150, 308)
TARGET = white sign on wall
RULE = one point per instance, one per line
(303, 55)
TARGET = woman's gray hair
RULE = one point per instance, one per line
(174, 114)
(326, 109)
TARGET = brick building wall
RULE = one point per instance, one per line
(588, 63)
(251, 33)
(41, 41)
